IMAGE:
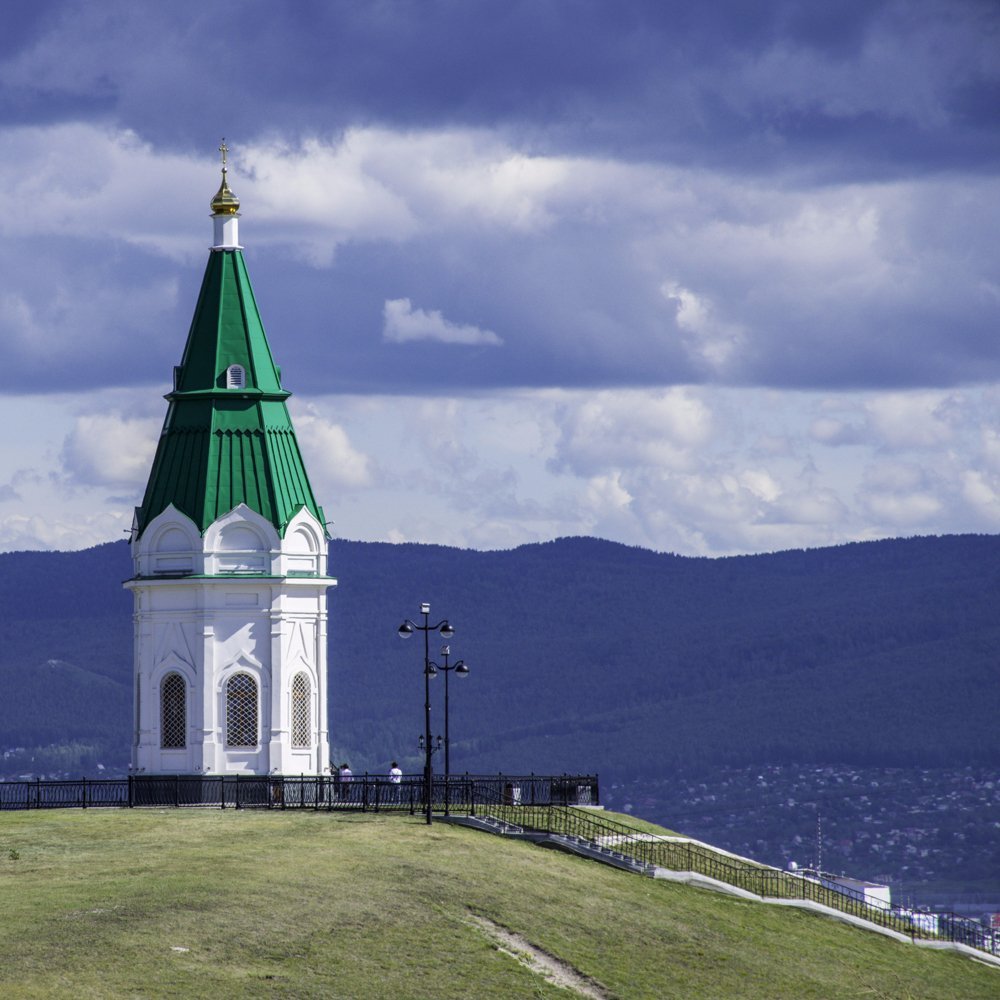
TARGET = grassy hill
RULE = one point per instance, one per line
(192, 903)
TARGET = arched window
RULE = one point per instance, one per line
(236, 377)
(301, 730)
(173, 713)
(241, 711)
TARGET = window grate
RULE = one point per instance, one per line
(173, 713)
(300, 712)
(236, 377)
(241, 711)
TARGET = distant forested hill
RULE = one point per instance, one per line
(585, 654)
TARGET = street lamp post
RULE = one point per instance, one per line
(461, 670)
(405, 631)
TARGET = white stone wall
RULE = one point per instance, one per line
(231, 602)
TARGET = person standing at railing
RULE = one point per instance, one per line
(395, 780)
(346, 777)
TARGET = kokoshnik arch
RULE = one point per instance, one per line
(229, 550)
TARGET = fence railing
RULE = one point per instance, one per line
(761, 880)
(364, 792)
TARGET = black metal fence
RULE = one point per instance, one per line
(362, 792)
(683, 856)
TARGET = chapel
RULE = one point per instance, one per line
(229, 549)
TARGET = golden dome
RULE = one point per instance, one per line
(225, 201)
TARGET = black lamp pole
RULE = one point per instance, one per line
(446, 631)
(461, 670)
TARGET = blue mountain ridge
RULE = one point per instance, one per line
(585, 654)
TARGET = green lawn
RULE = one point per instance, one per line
(300, 904)
(633, 822)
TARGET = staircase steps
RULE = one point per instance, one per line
(490, 824)
(596, 852)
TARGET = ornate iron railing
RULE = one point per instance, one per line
(364, 792)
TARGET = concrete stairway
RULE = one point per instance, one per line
(580, 846)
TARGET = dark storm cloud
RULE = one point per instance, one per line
(25, 24)
(72, 324)
(856, 88)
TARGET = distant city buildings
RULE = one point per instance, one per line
(911, 828)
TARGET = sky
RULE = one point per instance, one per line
(707, 278)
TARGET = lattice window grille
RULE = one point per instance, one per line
(241, 711)
(301, 729)
(236, 377)
(173, 713)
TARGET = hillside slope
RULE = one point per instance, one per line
(159, 903)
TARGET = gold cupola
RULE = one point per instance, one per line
(225, 202)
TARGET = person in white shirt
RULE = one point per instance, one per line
(395, 779)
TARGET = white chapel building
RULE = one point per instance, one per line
(229, 549)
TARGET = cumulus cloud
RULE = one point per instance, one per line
(403, 323)
(896, 477)
(902, 495)
(606, 497)
(614, 430)
(820, 506)
(664, 469)
(376, 184)
(913, 420)
(761, 484)
(990, 438)
(82, 180)
(982, 493)
(900, 511)
(65, 533)
(108, 449)
(329, 454)
(709, 339)
(831, 431)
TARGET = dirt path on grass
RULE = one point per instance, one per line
(550, 968)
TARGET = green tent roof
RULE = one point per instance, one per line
(220, 446)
